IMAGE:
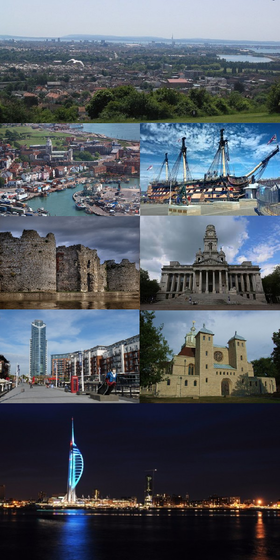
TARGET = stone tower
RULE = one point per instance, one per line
(204, 359)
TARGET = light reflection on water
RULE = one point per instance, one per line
(82, 535)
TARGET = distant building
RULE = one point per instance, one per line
(4, 367)
(38, 349)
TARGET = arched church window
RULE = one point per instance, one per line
(191, 369)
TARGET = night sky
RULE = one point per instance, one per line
(198, 449)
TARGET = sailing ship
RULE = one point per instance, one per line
(217, 184)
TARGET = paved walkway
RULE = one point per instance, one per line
(41, 395)
(247, 208)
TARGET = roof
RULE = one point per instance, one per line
(205, 331)
(223, 366)
(186, 351)
(237, 337)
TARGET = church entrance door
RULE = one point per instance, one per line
(225, 387)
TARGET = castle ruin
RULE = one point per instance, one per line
(34, 264)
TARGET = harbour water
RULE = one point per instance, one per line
(123, 535)
(115, 130)
(244, 58)
(61, 203)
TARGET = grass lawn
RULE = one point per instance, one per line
(33, 136)
(262, 117)
(214, 400)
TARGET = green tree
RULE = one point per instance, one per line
(271, 284)
(276, 354)
(98, 102)
(273, 98)
(155, 352)
(148, 288)
(264, 366)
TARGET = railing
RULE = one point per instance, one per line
(128, 385)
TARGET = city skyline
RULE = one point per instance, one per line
(238, 457)
(231, 20)
(68, 331)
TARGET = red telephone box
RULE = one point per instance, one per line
(74, 384)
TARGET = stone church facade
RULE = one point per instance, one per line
(203, 369)
(210, 277)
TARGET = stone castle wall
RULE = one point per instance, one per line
(27, 264)
(78, 269)
(123, 277)
(34, 264)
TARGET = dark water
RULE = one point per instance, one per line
(107, 300)
(141, 536)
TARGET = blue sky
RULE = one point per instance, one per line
(256, 326)
(165, 238)
(248, 145)
(216, 19)
(67, 331)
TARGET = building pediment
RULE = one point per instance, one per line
(210, 261)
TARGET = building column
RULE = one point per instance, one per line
(227, 285)
(173, 283)
(248, 283)
(214, 282)
(190, 281)
(236, 283)
(230, 281)
(184, 282)
(220, 281)
(178, 283)
(194, 282)
(242, 283)
(206, 286)
(200, 282)
(254, 282)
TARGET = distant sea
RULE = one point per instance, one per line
(119, 131)
(150, 535)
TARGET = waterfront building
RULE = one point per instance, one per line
(99, 360)
(204, 369)
(211, 279)
(38, 349)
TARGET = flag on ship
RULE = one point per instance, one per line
(150, 167)
(273, 139)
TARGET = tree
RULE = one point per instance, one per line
(271, 284)
(264, 367)
(148, 288)
(155, 352)
(276, 354)
(273, 99)
(98, 102)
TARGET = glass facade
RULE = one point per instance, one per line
(38, 349)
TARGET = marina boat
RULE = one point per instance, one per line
(80, 206)
(217, 184)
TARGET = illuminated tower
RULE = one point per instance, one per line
(76, 467)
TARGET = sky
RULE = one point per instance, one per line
(165, 238)
(248, 146)
(113, 239)
(234, 19)
(67, 331)
(257, 327)
(200, 449)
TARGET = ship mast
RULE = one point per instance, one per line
(219, 166)
(186, 170)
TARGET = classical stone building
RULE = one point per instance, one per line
(34, 264)
(210, 278)
(203, 369)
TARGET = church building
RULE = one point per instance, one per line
(204, 369)
(210, 279)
